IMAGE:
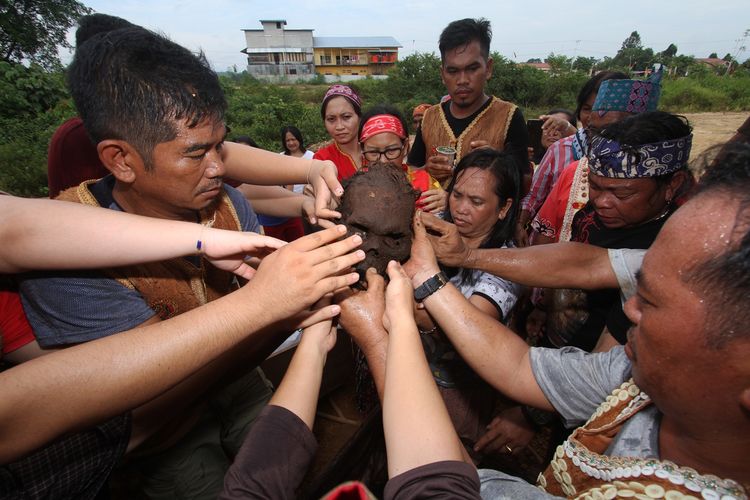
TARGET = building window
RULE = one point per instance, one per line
(292, 71)
(278, 26)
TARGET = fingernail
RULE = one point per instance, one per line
(341, 228)
(361, 253)
(357, 239)
(339, 191)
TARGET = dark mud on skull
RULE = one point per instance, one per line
(378, 204)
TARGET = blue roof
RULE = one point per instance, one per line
(354, 42)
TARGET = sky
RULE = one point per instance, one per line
(521, 30)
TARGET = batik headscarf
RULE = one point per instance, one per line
(632, 96)
(609, 158)
(343, 91)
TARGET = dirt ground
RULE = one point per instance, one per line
(713, 128)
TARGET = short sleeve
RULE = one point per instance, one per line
(576, 382)
(246, 214)
(74, 307)
(626, 263)
(503, 294)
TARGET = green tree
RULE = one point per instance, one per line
(584, 64)
(670, 51)
(534, 60)
(558, 64)
(713, 55)
(34, 30)
(632, 42)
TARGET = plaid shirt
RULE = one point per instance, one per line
(75, 466)
(557, 157)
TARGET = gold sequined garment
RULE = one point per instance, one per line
(580, 470)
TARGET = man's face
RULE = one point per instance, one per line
(384, 143)
(187, 172)
(671, 360)
(382, 217)
(465, 72)
(624, 203)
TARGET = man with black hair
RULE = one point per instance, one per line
(669, 413)
(156, 114)
(470, 118)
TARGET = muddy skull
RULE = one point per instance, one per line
(379, 206)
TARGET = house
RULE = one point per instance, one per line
(354, 56)
(275, 52)
(542, 66)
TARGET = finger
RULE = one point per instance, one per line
(331, 251)
(244, 271)
(488, 438)
(309, 318)
(332, 181)
(331, 283)
(436, 224)
(375, 282)
(395, 271)
(327, 213)
(322, 200)
(316, 240)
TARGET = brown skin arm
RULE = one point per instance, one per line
(493, 351)
(560, 265)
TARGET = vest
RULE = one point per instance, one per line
(580, 469)
(490, 125)
(173, 286)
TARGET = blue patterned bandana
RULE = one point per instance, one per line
(632, 96)
(609, 158)
(580, 144)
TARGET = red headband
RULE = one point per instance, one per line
(382, 123)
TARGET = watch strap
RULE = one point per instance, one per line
(430, 286)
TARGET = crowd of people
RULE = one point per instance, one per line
(602, 293)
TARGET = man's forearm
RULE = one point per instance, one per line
(558, 265)
(493, 351)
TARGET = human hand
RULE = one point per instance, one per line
(320, 336)
(438, 167)
(308, 212)
(508, 433)
(300, 273)
(422, 264)
(362, 312)
(558, 125)
(478, 144)
(448, 245)
(433, 200)
(227, 250)
(399, 297)
(323, 177)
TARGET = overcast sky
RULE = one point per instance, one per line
(532, 28)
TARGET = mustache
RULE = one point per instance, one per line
(214, 184)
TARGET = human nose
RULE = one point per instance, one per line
(632, 311)
(215, 166)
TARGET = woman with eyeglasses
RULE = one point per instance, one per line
(384, 140)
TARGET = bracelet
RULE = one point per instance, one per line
(199, 243)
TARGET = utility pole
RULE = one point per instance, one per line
(575, 51)
(738, 48)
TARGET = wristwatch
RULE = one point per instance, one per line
(430, 286)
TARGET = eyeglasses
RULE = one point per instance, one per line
(390, 153)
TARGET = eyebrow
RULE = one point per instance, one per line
(205, 145)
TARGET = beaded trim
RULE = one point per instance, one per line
(616, 469)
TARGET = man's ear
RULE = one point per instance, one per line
(489, 68)
(120, 158)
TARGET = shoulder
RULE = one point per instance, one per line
(245, 212)
(73, 307)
